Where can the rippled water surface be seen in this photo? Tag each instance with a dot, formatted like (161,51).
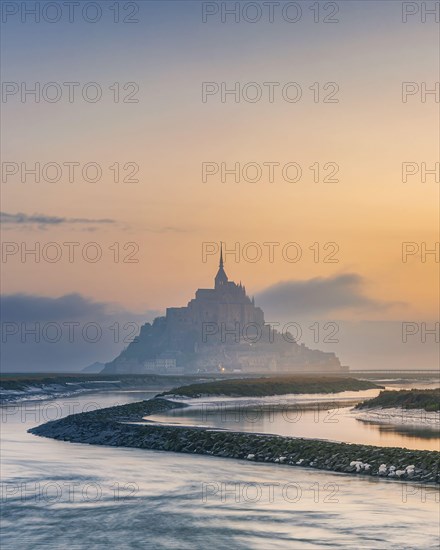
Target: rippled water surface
(70,496)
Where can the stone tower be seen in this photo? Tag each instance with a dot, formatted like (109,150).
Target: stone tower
(221,278)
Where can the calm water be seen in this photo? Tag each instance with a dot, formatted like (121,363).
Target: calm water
(70,496)
(317,416)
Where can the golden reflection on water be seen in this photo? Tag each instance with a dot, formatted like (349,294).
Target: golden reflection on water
(332,421)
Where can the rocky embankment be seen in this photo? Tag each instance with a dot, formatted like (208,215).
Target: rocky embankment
(115,426)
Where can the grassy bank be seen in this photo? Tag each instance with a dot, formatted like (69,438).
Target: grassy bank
(261,387)
(429,400)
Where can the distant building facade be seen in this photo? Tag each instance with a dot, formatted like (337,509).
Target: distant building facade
(219,310)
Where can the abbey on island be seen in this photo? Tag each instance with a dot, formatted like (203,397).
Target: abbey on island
(220,330)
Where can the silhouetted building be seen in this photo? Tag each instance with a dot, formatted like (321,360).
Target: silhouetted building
(221,329)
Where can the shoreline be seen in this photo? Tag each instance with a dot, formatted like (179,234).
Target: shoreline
(46,387)
(122,426)
(417,418)
(41,387)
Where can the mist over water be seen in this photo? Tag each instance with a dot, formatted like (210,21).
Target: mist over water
(72,496)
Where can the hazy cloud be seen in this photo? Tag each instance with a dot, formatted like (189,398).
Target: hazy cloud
(25,315)
(43,220)
(29,308)
(317,296)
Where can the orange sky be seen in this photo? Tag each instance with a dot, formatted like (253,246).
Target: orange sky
(170,212)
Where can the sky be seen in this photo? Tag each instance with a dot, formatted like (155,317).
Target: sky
(134,179)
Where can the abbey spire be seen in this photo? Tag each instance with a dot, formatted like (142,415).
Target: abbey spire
(221,278)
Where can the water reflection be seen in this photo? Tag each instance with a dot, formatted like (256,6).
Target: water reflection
(134,498)
(410,431)
(332,420)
